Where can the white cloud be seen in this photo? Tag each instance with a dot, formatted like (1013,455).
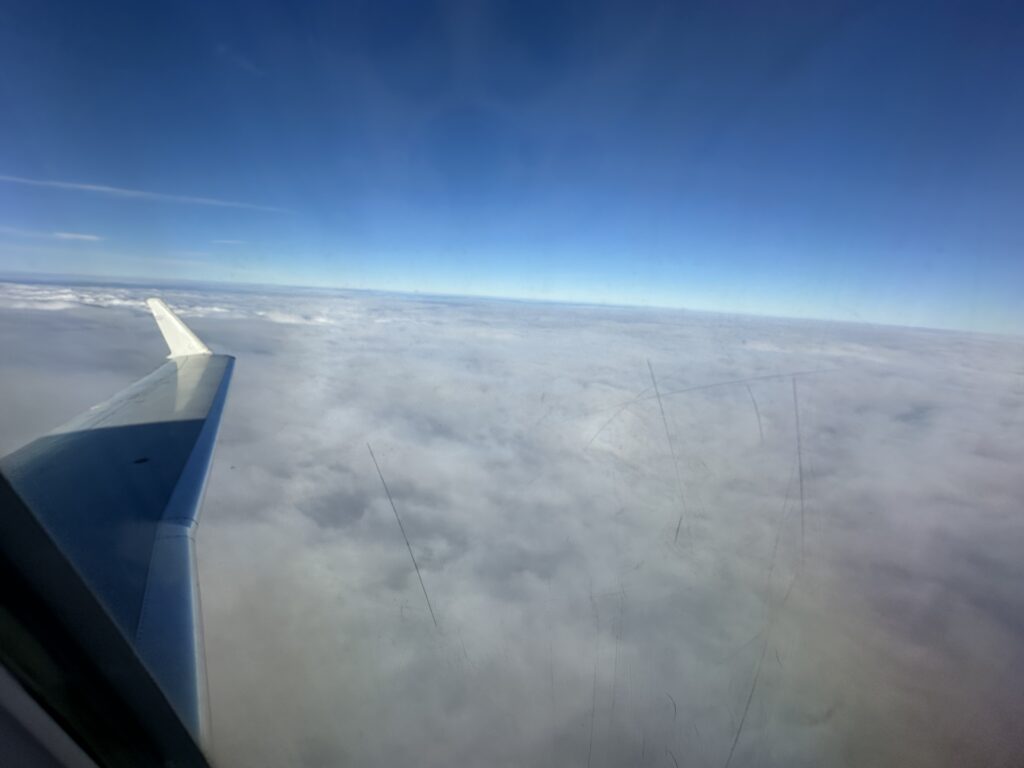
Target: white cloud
(18,232)
(137,194)
(533,476)
(45,296)
(76,236)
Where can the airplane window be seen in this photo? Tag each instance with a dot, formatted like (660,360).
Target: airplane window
(614,383)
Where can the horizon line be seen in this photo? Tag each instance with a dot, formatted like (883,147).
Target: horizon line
(128,281)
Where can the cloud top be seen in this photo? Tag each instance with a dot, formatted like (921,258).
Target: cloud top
(538,483)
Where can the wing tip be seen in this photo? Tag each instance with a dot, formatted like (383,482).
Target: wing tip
(181,341)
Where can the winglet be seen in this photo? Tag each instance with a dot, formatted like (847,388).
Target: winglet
(179,337)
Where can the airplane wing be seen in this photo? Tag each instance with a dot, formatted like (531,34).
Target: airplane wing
(100,621)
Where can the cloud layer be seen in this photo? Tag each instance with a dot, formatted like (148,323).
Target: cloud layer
(622,569)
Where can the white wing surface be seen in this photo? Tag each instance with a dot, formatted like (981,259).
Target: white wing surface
(112,500)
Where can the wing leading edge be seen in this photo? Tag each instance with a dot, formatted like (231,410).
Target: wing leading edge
(119,489)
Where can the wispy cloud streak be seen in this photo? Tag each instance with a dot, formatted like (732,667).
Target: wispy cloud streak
(137,194)
(17,232)
(76,236)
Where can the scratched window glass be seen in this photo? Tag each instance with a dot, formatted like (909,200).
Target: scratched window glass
(616,383)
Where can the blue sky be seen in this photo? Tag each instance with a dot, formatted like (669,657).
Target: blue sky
(854,161)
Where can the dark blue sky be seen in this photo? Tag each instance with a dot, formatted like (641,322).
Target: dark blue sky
(844,160)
